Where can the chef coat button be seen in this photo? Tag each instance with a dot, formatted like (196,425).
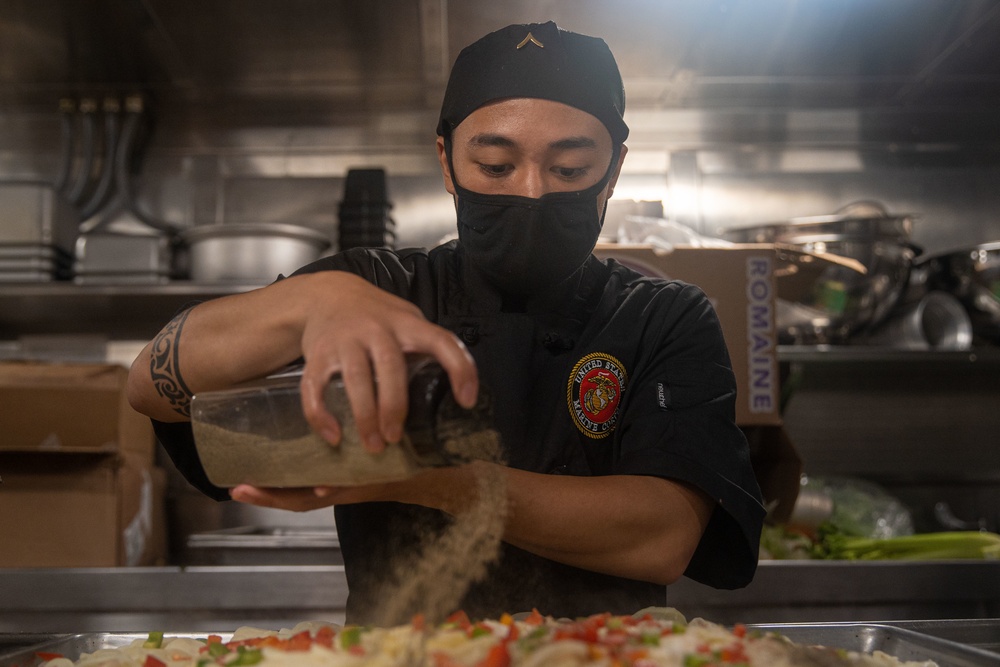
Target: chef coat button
(469,335)
(556,342)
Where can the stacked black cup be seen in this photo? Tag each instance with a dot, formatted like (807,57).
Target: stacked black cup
(364,211)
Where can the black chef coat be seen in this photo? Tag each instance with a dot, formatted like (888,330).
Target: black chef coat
(668,403)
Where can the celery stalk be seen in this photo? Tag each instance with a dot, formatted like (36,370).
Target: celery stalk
(926,546)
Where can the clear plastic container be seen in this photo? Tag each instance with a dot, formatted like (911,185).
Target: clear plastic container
(257,434)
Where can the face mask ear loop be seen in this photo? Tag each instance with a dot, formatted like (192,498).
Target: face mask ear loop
(451,164)
(615,153)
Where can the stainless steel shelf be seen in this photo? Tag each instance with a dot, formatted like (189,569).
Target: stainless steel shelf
(118,312)
(878,354)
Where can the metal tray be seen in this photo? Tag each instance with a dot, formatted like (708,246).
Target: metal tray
(262,545)
(862,637)
(983,633)
(899,642)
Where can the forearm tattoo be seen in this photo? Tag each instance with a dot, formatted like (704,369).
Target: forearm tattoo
(164,366)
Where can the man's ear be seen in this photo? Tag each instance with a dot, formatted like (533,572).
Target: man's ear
(617,172)
(445,170)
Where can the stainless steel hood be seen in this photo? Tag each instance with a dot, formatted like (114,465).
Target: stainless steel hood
(906,54)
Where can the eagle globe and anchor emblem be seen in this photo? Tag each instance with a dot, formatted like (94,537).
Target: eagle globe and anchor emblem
(594,391)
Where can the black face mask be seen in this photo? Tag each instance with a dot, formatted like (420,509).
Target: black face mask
(522,244)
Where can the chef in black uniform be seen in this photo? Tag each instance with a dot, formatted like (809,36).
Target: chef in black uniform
(613,393)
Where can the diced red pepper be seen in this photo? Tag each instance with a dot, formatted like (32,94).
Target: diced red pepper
(535,618)
(461,619)
(153,662)
(740,630)
(419,622)
(324,636)
(587,634)
(497,657)
(300,641)
(44,655)
(357,649)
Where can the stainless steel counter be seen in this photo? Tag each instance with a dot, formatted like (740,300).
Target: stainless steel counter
(217,598)
(823,591)
(168,598)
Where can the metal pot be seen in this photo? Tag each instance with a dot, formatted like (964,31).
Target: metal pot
(842,302)
(972,275)
(253,253)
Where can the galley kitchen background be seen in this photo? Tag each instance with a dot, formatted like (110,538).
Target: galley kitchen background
(740,112)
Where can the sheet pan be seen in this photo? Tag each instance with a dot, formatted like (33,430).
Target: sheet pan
(865,637)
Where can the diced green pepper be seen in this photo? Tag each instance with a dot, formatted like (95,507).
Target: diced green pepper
(692,660)
(350,637)
(155,640)
(247,656)
(217,649)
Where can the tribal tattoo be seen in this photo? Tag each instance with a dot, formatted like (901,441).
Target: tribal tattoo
(164,366)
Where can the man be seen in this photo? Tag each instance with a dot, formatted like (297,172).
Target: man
(613,393)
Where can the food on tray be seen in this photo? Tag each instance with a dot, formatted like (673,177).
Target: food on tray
(650,638)
(783,543)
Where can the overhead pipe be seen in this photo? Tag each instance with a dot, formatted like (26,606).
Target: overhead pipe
(106,185)
(125,164)
(88,128)
(67,138)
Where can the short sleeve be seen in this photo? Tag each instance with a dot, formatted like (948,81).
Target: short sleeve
(679,423)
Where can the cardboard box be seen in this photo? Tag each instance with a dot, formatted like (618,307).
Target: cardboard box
(742,281)
(81,510)
(70,408)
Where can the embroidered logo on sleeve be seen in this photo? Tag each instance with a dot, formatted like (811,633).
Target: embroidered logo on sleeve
(663,396)
(594,392)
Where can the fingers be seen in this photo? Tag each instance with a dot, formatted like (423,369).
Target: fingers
(392,376)
(295,500)
(463,375)
(454,357)
(360,388)
(367,341)
(306,499)
(315,377)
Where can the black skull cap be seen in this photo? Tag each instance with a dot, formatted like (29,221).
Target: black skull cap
(537,60)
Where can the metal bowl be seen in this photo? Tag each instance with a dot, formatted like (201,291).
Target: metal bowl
(842,302)
(250,253)
(972,275)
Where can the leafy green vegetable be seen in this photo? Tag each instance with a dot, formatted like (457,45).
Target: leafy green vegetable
(780,543)
(835,545)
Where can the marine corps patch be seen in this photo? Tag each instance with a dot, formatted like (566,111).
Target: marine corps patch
(593,393)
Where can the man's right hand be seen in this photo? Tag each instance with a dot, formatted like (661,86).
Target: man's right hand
(337,321)
(365,338)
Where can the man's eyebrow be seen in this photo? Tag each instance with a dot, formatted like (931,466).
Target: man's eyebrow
(570,143)
(497,140)
(500,141)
